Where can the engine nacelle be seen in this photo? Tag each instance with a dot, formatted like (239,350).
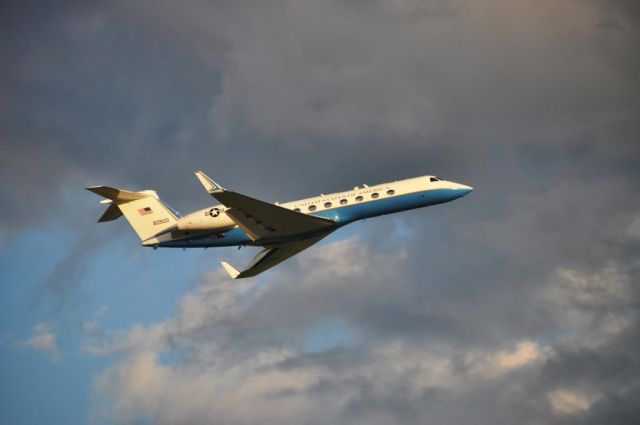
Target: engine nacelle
(214,219)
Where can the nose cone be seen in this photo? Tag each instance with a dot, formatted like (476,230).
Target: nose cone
(462,189)
(466,189)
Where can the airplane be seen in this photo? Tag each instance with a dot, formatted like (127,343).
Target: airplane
(281,229)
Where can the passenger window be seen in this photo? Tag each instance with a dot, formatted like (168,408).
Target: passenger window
(296,209)
(327,204)
(390,192)
(434,179)
(343,202)
(374,195)
(359,198)
(312,207)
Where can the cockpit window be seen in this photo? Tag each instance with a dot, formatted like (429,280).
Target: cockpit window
(434,179)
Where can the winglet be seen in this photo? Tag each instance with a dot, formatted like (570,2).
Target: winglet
(231,270)
(210,185)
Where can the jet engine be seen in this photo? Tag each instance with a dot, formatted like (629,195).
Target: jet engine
(211,219)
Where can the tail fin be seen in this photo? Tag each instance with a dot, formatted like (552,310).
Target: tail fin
(146,213)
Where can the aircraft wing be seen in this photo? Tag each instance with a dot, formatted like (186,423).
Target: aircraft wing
(270,257)
(261,219)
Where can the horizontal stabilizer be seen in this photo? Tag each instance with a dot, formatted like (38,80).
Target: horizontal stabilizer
(114,197)
(117,195)
(112,213)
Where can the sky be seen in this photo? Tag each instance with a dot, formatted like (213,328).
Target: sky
(516,304)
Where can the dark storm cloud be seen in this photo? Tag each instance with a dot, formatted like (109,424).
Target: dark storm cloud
(88,92)
(94,84)
(535,105)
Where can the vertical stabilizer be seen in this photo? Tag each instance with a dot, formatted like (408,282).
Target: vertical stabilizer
(144,211)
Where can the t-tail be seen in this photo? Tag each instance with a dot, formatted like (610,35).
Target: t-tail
(144,210)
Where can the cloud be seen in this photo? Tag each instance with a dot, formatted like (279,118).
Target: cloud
(399,70)
(424,75)
(494,364)
(43,339)
(570,402)
(235,345)
(514,305)
(90,327)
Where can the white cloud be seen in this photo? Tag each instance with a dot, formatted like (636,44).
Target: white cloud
(495,364)
(524,353)
(43,339)
(211,386)
(211,380)
(211,362)
(231,353)
(592,307)
(571,402)
(609,285)
(90,327)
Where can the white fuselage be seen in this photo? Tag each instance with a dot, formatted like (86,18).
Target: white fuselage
(213,227)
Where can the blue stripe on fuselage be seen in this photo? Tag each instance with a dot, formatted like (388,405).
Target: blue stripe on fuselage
(341,215)
(373,208)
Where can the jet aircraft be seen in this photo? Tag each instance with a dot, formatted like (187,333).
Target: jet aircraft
(281,229)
